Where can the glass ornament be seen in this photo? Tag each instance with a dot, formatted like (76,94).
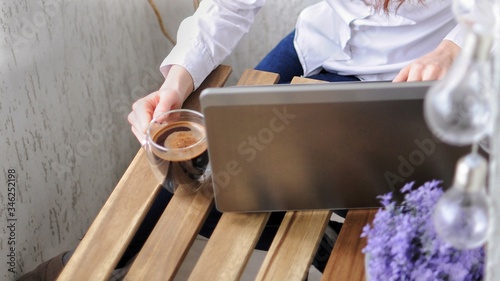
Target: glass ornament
(462,215)
(458,108)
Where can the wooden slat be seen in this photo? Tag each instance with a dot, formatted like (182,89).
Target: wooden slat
(107,238)
(294,246)
(230,247)
(254,77)
(233,241)
(303,80)
(171,239)
(346,262)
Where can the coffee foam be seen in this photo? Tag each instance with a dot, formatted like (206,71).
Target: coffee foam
(181,145)
(181,139)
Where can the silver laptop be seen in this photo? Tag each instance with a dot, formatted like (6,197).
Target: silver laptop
(320,146)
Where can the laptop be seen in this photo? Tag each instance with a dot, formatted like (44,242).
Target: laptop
(320,146)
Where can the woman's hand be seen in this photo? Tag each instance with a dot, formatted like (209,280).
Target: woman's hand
(171,95)
(432,66)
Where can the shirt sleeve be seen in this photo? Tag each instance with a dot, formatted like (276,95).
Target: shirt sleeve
(457,35)
(207,37)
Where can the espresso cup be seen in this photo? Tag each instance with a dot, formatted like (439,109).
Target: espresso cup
(176,147)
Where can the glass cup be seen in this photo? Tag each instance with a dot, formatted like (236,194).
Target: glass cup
(176,147)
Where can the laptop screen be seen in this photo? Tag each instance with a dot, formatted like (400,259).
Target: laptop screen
(320,146)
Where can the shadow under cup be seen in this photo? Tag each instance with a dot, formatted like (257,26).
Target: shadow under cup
(176,146)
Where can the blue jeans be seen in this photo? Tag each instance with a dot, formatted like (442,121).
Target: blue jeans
(283,60)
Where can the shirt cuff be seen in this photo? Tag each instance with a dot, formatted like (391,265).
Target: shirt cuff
(457,35)
(198,62)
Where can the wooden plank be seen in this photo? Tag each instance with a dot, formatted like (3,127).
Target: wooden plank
(303,80)
(230,247)
(294,246)
(171,239)
(107,238)
(254,77)
(233,241)
(346,262)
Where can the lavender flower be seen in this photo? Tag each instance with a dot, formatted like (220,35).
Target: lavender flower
(403,245)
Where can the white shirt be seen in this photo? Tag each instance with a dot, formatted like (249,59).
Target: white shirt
(343,36)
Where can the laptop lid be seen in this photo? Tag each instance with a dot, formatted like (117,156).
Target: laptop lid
(320,146)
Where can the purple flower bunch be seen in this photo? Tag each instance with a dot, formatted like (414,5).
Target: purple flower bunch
(402,243)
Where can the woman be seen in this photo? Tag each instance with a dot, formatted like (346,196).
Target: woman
(410,40)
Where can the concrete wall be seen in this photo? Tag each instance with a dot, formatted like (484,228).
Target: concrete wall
(69,72)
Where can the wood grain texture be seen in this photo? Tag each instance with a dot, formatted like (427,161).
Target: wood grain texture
(303,80)
(172,237)
(294,246)
(232,243)
(346,262)
(230,247)
(115,225)
(253,77)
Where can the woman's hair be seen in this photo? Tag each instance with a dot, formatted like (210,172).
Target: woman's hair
(385,5)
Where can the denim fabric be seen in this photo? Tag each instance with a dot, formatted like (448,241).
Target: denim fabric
(283,60)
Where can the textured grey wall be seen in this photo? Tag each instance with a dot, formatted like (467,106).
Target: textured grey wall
(69,72)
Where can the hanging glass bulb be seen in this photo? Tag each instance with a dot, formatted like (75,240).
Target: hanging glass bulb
(462,215)
(485,143)
(457,109)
